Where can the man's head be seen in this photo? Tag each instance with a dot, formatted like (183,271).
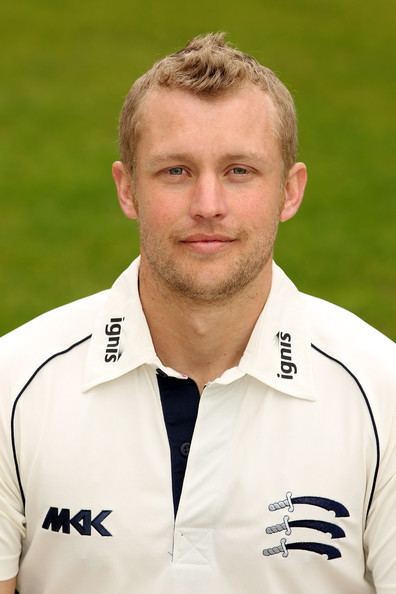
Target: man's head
(208,169)
(208,66)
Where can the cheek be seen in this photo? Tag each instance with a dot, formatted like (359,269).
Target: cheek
(260,216)
(156,215)
(261,202)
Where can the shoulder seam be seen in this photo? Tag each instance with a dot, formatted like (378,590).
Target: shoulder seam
(53,356)
(370,414)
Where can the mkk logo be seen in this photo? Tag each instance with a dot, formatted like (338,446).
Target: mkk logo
(62,520)
(113,332)
(288,368)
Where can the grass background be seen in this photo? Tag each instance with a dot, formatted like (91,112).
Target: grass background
(64,70)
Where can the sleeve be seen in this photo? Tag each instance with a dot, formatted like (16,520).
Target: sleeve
(380,533)
(12,521)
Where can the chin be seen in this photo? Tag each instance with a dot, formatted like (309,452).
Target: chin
(213,290)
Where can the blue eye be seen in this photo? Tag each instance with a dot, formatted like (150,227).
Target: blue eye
(175,171)
(239,170)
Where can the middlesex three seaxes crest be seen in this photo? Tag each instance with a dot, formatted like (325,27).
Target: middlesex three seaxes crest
(326,527)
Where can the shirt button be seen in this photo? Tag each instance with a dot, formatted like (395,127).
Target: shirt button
(185,449)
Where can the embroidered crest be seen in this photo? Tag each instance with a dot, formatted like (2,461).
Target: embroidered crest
(287,526)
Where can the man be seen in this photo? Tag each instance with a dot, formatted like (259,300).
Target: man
(202,426)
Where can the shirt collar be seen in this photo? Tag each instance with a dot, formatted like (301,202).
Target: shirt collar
(278,352)
(121,338)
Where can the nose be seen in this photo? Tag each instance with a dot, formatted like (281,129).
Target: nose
(208,200)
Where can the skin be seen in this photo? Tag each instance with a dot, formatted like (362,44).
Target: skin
(8,587)
(208,191)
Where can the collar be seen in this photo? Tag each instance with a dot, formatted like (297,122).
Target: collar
(121,339)
(278,353)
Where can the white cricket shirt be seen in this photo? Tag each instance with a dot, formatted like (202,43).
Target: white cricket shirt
(290,486)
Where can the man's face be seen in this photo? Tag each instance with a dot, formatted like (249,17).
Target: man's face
(208,191)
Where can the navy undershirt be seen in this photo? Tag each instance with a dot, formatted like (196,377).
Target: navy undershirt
(180,401)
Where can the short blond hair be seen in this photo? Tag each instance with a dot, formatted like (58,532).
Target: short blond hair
(208,66)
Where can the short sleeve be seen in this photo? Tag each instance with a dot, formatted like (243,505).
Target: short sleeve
(12,521)
(380,534)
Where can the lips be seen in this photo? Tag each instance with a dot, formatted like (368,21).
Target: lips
(202,237)
(207,243)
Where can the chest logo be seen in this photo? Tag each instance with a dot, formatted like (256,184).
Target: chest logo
(287,526)
(62,520)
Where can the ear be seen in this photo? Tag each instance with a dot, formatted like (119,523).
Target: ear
(124,184)
(293,191)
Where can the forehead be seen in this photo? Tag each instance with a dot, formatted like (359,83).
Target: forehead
(244,118)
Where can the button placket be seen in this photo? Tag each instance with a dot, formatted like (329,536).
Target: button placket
(204,479)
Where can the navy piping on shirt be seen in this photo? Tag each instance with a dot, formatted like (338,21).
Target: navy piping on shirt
(16,402)
(371,418)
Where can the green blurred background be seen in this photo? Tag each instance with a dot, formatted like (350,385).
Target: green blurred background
(65,67)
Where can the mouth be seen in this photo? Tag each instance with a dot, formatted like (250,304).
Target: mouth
(207,244)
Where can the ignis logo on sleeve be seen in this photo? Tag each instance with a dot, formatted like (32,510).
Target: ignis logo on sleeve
(288,368)
(113,333)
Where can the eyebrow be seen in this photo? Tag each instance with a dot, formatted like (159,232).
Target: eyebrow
(174,157)
(250,155)
(165,157)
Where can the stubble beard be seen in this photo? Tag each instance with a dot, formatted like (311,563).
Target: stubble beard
(184,281)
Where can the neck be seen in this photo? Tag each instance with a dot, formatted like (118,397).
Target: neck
(201,340)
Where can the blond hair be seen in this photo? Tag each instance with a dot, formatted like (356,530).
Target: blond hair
(208,66)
